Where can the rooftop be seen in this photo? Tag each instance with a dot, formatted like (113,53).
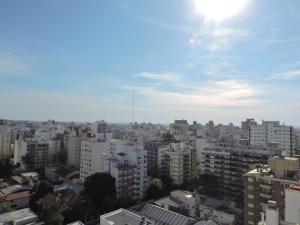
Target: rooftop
(163,216)
(23,215)
(294,188)
(122,216)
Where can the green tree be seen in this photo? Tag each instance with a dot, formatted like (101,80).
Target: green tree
(208,184)
(6,167)
(156,190)
(40,190)
(51,216)
(100,188)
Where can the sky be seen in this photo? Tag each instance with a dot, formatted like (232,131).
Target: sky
(80,60)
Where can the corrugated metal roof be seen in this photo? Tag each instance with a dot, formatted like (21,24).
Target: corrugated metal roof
(163,216)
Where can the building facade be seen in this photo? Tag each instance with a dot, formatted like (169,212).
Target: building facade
(178,161)
(229,164)
(268,183)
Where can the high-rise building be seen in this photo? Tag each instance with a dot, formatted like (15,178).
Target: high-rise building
(92,156)
(229,164)
(36,151)
(74,150)
(117,157)
(268,183)
(152,155)
(126,179)
(273,133)
(178,160)
(245,126)
(5,140)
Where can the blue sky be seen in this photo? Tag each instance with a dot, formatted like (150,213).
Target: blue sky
(80,60)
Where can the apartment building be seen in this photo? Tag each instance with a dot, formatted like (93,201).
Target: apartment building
(126,179)
(245,126)
(179,126)
(92,156)
(229,164)
(152,154)
(5,140)
(36,149)
(55,146)
(178,160)
(73,144)
(127,161)
(268,183)
(137,157)
(272,132)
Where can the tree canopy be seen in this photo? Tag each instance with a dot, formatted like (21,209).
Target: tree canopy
(6,167)
(100,188)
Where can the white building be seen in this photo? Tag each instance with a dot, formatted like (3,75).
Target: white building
(115,156)
(93,153)
(292,204)
(122,216)
(272,133)
(19,217)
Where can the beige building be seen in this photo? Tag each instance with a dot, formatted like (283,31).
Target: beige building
(177,160)
(268,183)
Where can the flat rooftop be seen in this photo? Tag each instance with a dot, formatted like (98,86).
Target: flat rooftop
(294,188)
(25,215)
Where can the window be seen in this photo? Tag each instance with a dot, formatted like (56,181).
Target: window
(251,196)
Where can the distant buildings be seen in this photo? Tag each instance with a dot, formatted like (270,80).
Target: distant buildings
(272,133)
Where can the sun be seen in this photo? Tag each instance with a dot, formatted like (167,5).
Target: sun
(218,10)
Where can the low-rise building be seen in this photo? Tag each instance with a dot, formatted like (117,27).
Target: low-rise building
(200,207)
(19,217)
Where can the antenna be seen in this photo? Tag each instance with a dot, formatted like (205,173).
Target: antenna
(132,109)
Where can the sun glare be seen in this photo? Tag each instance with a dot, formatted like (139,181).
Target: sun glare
(218,10)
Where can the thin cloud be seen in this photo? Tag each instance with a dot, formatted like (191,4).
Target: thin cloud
(221,93)
(219,37)
(290,75)
(9,66)
(163,77)
(169,26)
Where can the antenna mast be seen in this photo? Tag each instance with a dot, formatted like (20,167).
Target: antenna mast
(132,108)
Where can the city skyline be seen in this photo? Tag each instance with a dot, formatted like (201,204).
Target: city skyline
(81,61)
